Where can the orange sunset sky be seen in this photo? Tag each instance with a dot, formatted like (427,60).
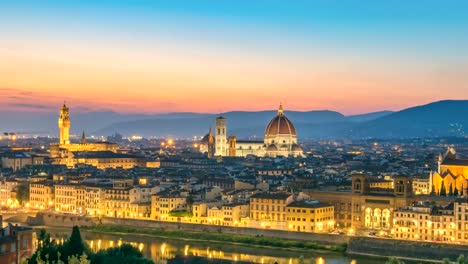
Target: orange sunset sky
(151,59)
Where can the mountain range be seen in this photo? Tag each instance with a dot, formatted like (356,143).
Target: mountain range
(442,118)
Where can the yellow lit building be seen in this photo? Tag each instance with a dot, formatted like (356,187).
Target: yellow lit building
(6,189)
(365,207)
(233,213)
(461,219)
(451,177)
(310,216)
(421,186)
(163,204)
(268,210)
(117,203)
(90,199)
(41,195)
(215,216)
(66,198)
(426,223)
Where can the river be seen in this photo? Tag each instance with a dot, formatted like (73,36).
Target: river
(160,250)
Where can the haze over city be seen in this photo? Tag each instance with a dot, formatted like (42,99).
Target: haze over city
(217,56)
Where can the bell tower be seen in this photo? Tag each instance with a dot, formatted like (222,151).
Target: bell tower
(221,139)
(64,125)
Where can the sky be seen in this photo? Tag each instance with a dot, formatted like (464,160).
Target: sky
(221,55)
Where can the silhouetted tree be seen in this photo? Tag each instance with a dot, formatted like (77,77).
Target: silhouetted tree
(443,192)
(125,254)
(74,245)
(22,193)
(455,192)
(450,190)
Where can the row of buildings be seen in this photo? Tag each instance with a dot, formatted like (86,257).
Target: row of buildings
(395,211)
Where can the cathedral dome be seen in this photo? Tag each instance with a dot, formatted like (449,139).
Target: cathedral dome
(280,125)
(206,139)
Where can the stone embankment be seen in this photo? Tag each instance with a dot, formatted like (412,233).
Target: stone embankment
(310,237)
(61,220)
(365,246)
(411,250)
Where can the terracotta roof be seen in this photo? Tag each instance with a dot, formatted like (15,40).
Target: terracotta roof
(280,125)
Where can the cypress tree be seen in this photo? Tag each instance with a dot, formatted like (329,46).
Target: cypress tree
(75,245)
(443,192)
(450,190)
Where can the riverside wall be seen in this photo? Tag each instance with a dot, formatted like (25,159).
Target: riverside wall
(404,249)
(61,220)
(366,246)
(311,237)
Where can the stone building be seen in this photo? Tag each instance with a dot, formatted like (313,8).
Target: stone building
(310,216)
(41,194)
(364,207)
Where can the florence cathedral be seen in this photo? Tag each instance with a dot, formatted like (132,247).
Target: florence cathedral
(280,140)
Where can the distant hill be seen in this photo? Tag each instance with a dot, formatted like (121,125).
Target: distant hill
(443,118)
(368,116)
(241,124)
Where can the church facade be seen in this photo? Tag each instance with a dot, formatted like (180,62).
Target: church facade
(280,139)
(451,178)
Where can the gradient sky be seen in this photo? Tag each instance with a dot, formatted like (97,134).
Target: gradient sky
(220,55)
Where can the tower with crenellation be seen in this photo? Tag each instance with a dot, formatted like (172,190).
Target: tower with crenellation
(64,125)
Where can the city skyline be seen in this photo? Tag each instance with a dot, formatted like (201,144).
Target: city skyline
(207,56)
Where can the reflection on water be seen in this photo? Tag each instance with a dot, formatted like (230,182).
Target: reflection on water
(160,250)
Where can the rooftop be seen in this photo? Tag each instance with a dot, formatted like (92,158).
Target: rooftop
(308,204)
(278,195)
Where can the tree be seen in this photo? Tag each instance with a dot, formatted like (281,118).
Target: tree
(125,254)
(443,192)
(189,201)
(22,192)
(75,251)
(74,245)
(83,259)
(450,190)
(47,251)
(455,192)
(462,259)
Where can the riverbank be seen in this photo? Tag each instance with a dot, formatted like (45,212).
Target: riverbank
(163,249)
(257,241)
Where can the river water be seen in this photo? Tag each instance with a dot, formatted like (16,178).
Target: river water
(160,250)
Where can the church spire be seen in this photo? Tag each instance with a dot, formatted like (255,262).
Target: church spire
(83,138)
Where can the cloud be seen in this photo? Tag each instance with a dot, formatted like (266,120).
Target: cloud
(30,105)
